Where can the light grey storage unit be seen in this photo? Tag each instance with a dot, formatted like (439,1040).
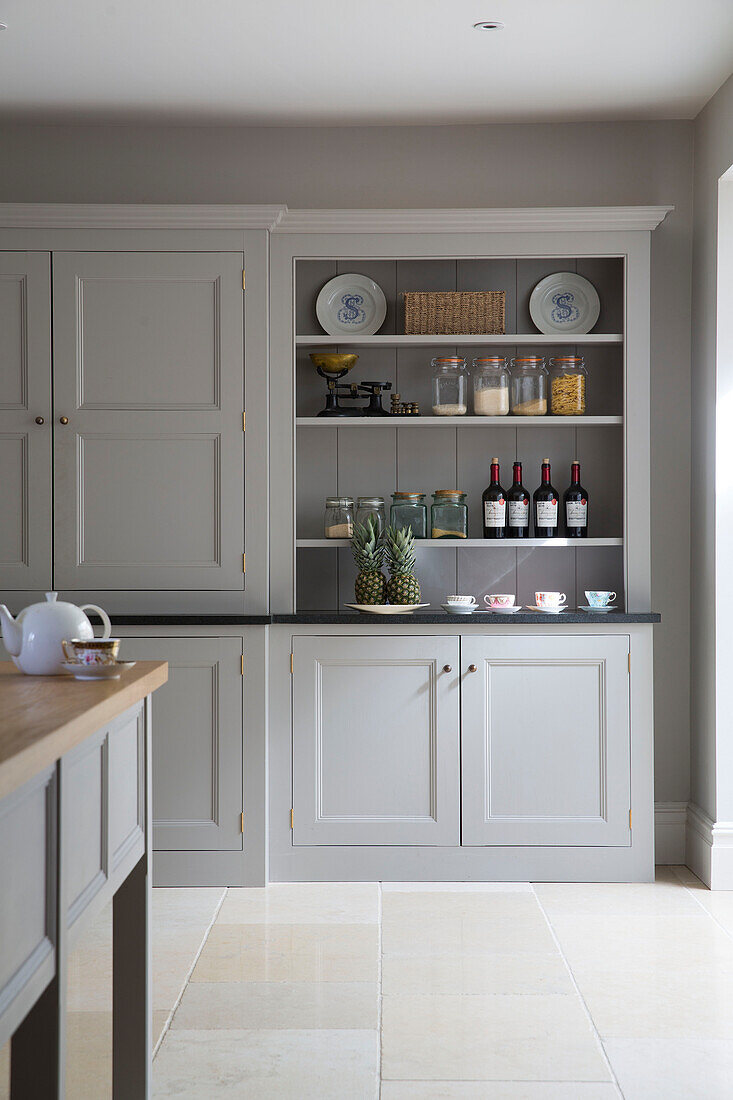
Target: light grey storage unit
(148,406)
(25,420)
(376,756)
(197,743)
(545,740)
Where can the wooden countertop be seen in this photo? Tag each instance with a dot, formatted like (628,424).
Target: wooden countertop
(42,717)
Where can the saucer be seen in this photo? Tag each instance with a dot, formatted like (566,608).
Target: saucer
(548,610)
(386,608)
(501,610)
(96,672)
(459,608)
(600,610)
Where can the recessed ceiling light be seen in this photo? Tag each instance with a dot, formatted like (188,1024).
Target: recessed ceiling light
(488,25)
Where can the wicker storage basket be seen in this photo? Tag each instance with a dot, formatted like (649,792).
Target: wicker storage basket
(454,312)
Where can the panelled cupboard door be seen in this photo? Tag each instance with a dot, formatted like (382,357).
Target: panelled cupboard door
(376,741)
(197,742)
(149,372)
(546,754)
(25,446)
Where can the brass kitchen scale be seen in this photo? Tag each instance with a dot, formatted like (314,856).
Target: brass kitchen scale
(332,367)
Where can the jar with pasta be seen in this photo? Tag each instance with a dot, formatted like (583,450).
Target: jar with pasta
(567,385)
(528,392)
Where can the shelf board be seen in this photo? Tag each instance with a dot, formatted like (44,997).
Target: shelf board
(482,340)
(457,421)
(474,544)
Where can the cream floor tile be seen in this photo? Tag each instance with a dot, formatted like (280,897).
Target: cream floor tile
(662,898)
(462,973)
(294,1005)
(482,905)
(302,903)
(171,966)
(160,1017)
(473,935)
(289,952)
(267,1065)
(618,943)
(89,1055)
(718,903)
(5,1072)
(672,1069)
(497,1090)
(457,887)
(659,1001)
(185,905)
(686,876)
(501,1038)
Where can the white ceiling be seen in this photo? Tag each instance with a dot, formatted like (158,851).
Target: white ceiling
(361,61)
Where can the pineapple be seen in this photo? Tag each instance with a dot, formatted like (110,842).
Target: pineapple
(370,586)
(402,586)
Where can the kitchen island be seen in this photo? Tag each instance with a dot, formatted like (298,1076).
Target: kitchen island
(74,833)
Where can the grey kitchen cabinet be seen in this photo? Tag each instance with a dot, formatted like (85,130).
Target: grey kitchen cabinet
(25,420)
(376,741)
(148,420)
(197,742)
(546,740)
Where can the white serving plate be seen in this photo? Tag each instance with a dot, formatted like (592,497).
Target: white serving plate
(351,305)
(501,610)
(601,610)
(547,610)
(564,303)
(97,672)
(386,608)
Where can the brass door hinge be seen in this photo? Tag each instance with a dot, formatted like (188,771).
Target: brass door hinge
(244,563)
(241,823)
(244,428)
(291,664)
(292,818)
(242,278)
(241,665)
(629,818)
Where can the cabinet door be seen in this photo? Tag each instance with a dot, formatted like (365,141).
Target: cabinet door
(197,742)
(149,469)
(546,741)
(25,447)
(375,741)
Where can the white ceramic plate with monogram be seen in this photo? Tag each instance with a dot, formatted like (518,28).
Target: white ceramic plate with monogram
(351,305)
(564,303)
(80,671)
(501,610)
(600,610)
(386,608)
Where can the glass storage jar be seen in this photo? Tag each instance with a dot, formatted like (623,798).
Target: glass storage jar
(339,520)
(567,385)
(490,386)
(449,515)
(371,506)
(450,389)
(528,394)
(409,510)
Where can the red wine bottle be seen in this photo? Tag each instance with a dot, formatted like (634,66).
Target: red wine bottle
(494,502)
(546,506)
(575,501)
(517,504)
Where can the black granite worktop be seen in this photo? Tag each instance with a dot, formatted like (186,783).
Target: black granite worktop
(519,618)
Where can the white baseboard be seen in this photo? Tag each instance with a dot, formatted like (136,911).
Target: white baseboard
(670,819)
(709,850)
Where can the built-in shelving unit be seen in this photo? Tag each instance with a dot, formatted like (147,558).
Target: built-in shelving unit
(475,544)
(507,339)
(458,421)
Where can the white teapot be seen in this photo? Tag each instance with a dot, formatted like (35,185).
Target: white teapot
(34,639)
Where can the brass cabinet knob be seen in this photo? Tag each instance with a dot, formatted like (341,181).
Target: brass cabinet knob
(40,420)
(473,668)
(63,420)
(447,668)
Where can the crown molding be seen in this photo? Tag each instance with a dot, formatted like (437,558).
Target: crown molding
(536,219)
(137,216)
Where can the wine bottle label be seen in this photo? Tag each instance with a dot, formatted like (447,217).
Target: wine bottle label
(546,513)
(494,513)
(576,513)
(519,513)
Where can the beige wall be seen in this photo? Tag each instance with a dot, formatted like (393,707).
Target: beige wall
(712,744)
(516,165)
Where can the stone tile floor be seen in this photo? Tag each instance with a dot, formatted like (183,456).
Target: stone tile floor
(427,992)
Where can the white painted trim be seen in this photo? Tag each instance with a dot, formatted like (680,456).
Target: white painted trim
(710,848)
(531,220)
(670,819)
(137,216)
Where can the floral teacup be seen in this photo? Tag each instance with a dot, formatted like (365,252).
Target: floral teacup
(600,599)
(92,651)
(499,599)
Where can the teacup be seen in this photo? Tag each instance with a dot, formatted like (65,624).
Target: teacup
(600,599)
(461,601)
(499,599)
(92,651)
(549,599)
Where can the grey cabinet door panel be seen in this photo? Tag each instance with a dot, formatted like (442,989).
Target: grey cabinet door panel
(197,742)
(85,797)
(546,750)
(25,447)
(375,740)
(149,470)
